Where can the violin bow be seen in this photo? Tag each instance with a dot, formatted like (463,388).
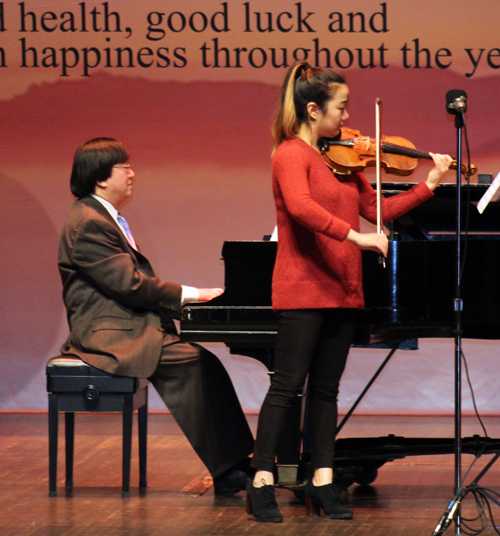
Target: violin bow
(378,102)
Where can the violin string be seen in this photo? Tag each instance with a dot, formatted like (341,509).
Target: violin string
(393,148)
(405,151)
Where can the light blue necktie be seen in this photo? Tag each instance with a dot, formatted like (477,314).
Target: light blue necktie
(123,222)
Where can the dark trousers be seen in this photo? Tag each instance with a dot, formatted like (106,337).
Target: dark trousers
(314,342)
(200,395)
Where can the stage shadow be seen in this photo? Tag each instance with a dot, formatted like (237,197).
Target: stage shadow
(31,303)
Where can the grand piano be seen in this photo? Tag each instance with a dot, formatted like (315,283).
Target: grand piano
(411,298)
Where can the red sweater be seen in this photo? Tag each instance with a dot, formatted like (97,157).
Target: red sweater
(315,266)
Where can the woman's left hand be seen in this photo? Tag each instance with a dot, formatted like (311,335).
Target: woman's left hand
(442,164)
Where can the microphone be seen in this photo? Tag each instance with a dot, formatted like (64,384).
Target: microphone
(456,101)
(449,513)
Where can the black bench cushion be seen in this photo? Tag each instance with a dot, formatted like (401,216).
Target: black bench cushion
(71,374)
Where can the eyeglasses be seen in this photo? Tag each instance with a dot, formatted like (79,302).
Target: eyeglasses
(124,167)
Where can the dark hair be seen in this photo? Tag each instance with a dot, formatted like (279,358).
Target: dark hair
(303,84)
(93,163)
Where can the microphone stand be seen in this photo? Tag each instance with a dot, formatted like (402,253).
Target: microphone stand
(453,509)
(456,101)
(457,332)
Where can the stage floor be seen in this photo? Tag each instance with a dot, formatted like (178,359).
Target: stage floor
(407,498)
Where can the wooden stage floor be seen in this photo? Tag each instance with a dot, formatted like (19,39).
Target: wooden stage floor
(407,498)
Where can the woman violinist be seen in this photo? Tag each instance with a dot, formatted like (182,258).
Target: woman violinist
(317,282)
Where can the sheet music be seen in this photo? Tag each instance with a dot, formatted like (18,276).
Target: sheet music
(491,194)
(274,236)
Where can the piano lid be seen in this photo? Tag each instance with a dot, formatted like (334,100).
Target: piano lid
(436,218)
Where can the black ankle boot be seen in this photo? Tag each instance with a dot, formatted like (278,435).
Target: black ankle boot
(326,498)
(261,502)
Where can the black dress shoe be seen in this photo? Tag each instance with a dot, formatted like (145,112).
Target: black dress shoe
(326,498)
(233,480)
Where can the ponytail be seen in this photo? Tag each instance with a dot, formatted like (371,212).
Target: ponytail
(303,84)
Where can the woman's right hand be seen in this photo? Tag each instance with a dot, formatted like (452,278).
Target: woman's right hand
(369,241)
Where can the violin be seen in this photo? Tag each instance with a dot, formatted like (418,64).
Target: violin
(354,152)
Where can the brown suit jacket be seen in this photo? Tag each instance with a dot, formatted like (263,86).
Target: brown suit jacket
(115,304)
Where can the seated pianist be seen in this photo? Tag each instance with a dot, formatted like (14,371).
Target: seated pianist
(121,314)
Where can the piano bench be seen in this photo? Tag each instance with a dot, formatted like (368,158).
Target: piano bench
(75,386)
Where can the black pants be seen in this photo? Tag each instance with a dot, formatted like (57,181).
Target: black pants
(200,395)
(314,342)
